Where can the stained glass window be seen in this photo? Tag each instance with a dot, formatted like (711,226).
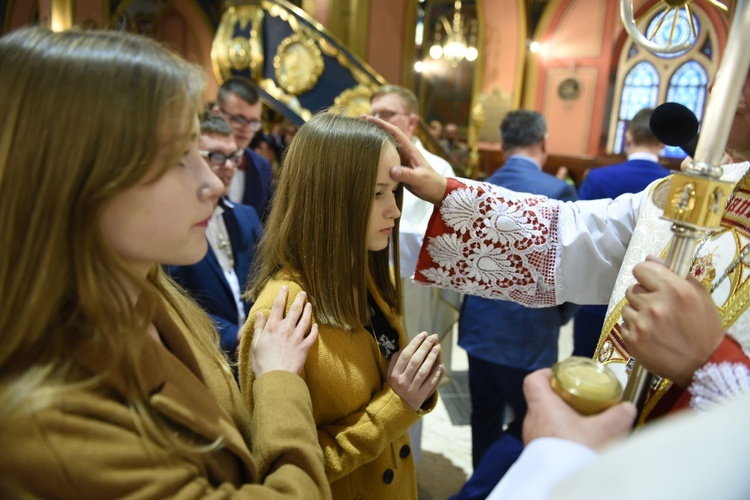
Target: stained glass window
(640,90)
(646,79)
(677,26)
(688,86)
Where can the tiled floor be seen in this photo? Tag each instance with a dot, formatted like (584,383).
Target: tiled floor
(446,448)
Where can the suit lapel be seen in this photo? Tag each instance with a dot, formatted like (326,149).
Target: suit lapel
(239,247)
(236,238)
(213,264)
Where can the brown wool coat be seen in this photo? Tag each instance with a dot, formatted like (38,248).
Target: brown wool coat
(90,447)
(362,423)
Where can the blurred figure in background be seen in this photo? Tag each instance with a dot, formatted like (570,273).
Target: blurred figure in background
(436,129)
(238,101)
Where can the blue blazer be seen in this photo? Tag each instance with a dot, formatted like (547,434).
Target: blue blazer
(205,281)
(631,176)
(503,332)
(258,183)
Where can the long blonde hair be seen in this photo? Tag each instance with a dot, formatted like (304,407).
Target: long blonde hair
(317,228)
(83,116)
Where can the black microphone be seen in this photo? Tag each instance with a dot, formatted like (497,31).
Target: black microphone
(675,125)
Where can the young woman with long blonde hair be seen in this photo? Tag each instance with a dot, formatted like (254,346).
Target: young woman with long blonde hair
(111,380)
(333,232)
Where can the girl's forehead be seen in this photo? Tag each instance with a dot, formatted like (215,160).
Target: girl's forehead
(389,150)
(388,158)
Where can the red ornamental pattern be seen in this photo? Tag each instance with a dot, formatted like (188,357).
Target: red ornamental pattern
(488,241)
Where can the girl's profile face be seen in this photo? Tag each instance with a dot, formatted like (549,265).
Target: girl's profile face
(164,220)
(384,209)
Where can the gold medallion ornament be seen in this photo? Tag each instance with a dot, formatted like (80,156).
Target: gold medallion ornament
(238,53)
(231,52)
(353,102)
(298,63)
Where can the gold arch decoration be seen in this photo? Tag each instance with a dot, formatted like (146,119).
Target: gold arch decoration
(298,63)
(353,102)
(231,53)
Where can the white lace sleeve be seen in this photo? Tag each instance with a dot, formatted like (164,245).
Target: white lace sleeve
(489,241)
(496,244)
(716,383)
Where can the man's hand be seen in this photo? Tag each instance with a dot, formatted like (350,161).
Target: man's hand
(549,416)
(418,176)
(670,323)
(283,343)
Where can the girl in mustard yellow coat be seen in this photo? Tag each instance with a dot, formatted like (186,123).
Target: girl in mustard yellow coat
(332,232)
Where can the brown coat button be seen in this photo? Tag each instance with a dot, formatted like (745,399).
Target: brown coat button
(404,452)
(388,476)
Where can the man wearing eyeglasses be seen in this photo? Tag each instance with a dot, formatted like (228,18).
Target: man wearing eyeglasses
(239,103)
(425,309)
(217,281)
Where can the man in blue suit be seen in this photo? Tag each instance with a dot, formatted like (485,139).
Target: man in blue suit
(218,281)
(506,341)
(239,103)
(632,176)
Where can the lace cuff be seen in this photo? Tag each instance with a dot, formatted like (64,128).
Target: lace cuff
(716,383)
(486,240)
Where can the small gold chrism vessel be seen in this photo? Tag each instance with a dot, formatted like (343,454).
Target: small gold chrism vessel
(586,385)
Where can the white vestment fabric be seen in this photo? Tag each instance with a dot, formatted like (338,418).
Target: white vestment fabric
(489,241)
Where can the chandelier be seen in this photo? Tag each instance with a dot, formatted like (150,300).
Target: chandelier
(459,38)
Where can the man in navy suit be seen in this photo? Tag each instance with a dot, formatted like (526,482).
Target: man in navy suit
(239,103)
(506,341)
(632,176)
(218,281)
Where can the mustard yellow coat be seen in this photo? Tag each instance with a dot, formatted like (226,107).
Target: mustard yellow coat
(362,423)
(90,447)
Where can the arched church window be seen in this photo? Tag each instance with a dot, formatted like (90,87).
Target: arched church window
(688,86)
(645,79)
(640,90)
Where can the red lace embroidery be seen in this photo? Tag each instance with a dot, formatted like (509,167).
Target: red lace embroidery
(485,240)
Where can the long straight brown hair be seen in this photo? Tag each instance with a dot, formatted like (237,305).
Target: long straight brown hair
(317,227)
(83,116)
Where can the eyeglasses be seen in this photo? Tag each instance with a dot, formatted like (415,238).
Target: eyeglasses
(386,115)
(241,121)
(217,159)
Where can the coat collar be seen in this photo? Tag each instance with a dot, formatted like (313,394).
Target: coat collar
(519,160)
(183,385)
